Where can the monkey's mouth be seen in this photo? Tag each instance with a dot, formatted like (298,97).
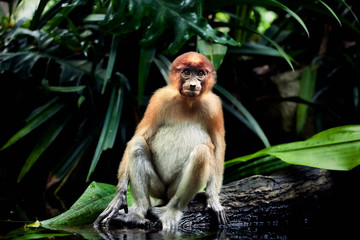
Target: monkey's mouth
(190,93)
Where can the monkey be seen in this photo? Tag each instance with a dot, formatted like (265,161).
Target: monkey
(177,149)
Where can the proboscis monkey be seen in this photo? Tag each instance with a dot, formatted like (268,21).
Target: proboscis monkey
(177,149)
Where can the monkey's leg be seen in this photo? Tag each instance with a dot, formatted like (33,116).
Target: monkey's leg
(143,181)
(193,176)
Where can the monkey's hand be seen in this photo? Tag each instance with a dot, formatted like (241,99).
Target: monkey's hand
(119,202)
(218,210)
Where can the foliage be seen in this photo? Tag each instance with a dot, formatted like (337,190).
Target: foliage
(78,61)
(87,76)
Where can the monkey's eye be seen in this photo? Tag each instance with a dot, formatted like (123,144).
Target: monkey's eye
(186,72)
(201,73)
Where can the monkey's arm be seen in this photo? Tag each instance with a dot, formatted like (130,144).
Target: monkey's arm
(215,183)
(119,201)
(217,134)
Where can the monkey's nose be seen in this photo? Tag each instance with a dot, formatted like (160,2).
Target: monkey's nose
(192,87)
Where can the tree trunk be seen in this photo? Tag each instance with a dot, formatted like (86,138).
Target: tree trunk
(262,200)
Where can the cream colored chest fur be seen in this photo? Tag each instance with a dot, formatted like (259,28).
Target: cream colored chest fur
(172,144)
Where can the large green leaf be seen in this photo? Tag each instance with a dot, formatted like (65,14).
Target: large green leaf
(86,209)
(335,149)
(215,52)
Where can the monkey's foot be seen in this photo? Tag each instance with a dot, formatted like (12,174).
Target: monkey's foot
(135,220)
(219,211)
(169,217)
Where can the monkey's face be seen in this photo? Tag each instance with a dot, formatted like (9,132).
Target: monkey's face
(192,80)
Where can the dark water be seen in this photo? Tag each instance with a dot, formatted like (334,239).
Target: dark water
(265,231)
(323,226)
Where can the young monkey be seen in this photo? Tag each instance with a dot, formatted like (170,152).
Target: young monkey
(178,148)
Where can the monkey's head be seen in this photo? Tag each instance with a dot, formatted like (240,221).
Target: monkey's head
(192,74)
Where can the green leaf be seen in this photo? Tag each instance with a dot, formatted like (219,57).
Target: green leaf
(111,61)
(250,120)
(350,10)
(307,89)
(36,18)
(280,51)
(110,127)
(331,11)
(65,89)
(35,121)
(38,111)
(215,52)
(264,165)
(20,63)
(86,209)
(26,235)
(291,13)
(145,60)
(255,49)
(41,236)
(163,65)
(42,144)
(335,149)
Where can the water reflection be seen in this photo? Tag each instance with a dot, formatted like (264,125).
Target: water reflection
(264,231)
(130,234)
(299,228)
